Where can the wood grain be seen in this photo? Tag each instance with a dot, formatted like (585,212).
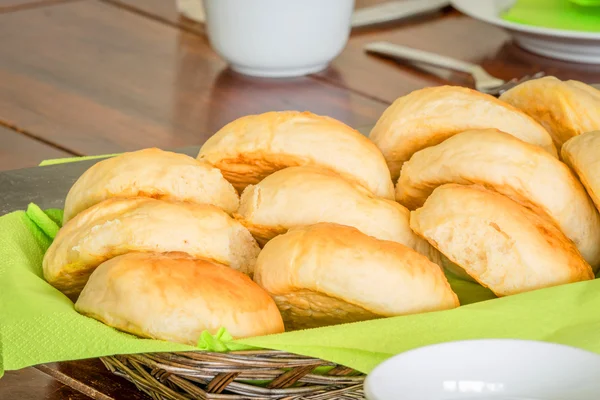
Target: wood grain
(15,5)
(32,384)
(119,81)
(20,151)
(160,10)
(93,379)
(451,34)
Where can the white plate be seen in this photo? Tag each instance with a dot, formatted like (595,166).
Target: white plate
(581,47)
(490,369)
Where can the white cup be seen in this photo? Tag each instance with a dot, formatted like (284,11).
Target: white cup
(278,38)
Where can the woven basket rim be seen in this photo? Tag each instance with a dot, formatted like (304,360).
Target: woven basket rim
(235,375)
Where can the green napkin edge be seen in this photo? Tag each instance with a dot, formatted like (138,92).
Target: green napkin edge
(586,3)
(322,342)
(46,224)
(65,160)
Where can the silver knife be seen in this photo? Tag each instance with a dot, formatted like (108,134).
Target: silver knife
(395,10)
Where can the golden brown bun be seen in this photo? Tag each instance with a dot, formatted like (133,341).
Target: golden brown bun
(173,297)
(500,243)
(253,147)
(428,116)
(151,173)
(327,274)
(519,170)
(564,108)
(298,196)
(117,226)
(582,154)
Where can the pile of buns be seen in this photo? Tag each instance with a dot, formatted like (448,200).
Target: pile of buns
(290,220)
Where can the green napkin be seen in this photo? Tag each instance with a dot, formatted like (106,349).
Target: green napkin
(558,14)
(38,324)
(586,3)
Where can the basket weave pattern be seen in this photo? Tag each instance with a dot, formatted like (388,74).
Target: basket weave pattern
(263,374)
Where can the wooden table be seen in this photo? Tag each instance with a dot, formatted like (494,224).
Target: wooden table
(82,77)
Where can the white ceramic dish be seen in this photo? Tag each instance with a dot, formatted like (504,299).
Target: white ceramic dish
(274,38)
(490,369)
(581,47)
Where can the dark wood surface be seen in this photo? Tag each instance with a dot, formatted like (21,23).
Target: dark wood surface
(447,32)
(33,384)
(161,10)
(99,76)
(15,5)
(20,151)
(93,379)
(119,79)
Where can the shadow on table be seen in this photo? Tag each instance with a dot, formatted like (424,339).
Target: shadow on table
(515,61)
(206,97)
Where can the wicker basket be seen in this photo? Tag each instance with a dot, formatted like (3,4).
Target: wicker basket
(263,374)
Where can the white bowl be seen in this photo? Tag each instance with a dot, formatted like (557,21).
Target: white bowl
(278,38)
(494,369)
(575,46)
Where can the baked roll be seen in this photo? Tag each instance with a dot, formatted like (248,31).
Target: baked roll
(582,154)
(327,274)
(117,226)
(151,173)
(429,116)
(298,196)
(524,172)
(564,108)
(253,147)
(501,244)
(175,298)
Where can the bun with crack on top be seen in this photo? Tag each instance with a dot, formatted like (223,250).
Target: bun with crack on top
(298,196)
(252,147)
(582,154)
(521,171)
(118,226)
(565,108)
(427,117)
(327,274)
(501,244)
(151,173)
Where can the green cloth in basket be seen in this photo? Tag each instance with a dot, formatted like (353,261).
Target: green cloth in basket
(38,324)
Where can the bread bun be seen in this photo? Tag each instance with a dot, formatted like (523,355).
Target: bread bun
(327,274)
(117,226)
(582,154)
(298,196)
(524,172)
(428,116)
(151,173)
(173,297)
(253,147)
(564,108)
(500,243)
